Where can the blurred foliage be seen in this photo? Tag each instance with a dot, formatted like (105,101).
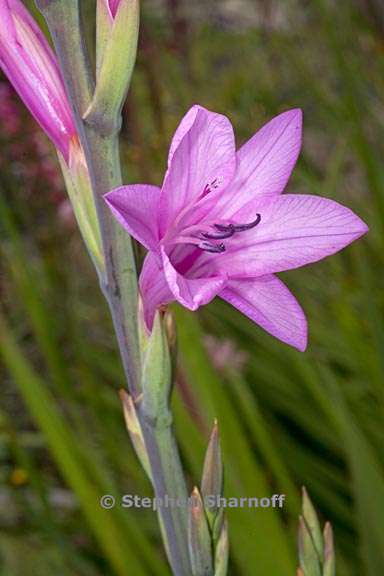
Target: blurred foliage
(286,418)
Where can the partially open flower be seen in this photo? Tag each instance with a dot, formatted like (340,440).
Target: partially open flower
(31,66)
(219,226)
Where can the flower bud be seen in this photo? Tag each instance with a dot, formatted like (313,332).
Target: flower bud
(199,537)
(309,559)
(117,35)
(312,521)
(222,551)
(329,566)
(79,190)
(212,478)
(156,375)
(31,66)
(134,429)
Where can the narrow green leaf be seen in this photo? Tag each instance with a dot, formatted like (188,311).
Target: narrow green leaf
(244,477)
(367,478)
(64,449)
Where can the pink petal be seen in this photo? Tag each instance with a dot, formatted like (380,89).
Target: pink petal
(202,155)
(136,207)
(295,229)
(154,288)
(190,292)
(265,162)
(113,6)
(269,303)
(185,125)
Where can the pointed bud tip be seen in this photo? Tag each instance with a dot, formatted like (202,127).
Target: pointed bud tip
(328,529)
(304,493)
(212,477)
(196,501)
(195,492)
(214,436)
(170,325)
(328,538)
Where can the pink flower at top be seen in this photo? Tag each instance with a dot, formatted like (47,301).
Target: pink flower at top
(31,66)
(219,226)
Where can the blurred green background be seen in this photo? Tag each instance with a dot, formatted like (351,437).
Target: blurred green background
(286,418)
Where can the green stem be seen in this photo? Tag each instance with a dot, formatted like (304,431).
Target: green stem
(168,482)
(101,149)
(119,283)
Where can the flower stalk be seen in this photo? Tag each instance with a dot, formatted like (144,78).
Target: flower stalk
(98,134)
(119,282)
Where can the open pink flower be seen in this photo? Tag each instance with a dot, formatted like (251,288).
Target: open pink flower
(31,66)
(220,226)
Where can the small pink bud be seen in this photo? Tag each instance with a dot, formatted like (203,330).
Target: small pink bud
(113,5)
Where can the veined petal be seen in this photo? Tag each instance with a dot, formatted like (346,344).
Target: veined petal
(269,303)
(295,229)
(265,162)
(154,288)
(191,292)
(136,207)
(185,125)
(202,159)
(28,61)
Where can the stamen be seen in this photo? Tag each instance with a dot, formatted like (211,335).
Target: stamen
(238,227)
(209,247)
(218,235)
(242,227)
(223,231)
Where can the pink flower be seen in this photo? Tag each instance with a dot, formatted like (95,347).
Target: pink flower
(28,61)
(219,226)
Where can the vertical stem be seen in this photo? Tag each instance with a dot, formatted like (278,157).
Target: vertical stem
(101,148)
(168,482)
(119,285)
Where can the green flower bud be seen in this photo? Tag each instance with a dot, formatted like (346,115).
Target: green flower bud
(117,35)
(199,538)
